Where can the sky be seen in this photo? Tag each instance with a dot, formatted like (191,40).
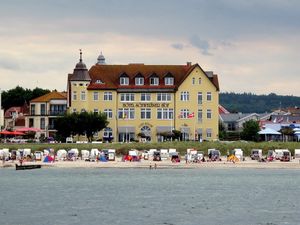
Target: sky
(252,45)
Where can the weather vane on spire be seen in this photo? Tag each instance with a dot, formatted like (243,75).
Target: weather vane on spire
(80,55)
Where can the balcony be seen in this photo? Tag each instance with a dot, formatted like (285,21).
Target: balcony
(56,112)
(51,127)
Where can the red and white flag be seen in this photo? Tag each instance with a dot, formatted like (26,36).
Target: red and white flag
(191,115)
(180,115)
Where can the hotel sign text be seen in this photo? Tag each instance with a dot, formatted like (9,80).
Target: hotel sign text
(158,105)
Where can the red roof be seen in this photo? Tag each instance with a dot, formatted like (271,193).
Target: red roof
(50,96)
(109,75)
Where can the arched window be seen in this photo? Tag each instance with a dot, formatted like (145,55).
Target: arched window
(146,131)
(107,132)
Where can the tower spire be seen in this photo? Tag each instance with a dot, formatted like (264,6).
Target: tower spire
(80,59)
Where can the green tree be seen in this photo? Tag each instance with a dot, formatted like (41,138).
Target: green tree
(250,131)
(288,133)
(18,96)
(85,123)
(222,132)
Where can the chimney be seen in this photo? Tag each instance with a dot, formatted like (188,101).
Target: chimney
(189,64)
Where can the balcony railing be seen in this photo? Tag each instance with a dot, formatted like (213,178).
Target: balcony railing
(56,112)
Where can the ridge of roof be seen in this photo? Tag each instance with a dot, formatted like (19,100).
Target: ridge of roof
(49,96)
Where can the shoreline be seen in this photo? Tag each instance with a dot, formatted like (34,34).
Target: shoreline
(145,164)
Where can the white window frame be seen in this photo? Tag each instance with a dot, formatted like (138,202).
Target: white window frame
(163,97)
(96,111)
(193,81)
(200,115)
(154,81)
(129,112)
(169,80)
(145,97)
(145,113)
(96,96)
(109,113)
(208,113)
(107,132)
(209,96)
(107,96)
(184,113)
(199,81)
(42,123)
(83,95)
(74,96)
(124,80)
(165,114)
(208,132)
(199,98)
(185,96)
(127,97)
(139,81)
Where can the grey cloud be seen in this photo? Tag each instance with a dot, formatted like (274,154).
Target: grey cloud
(202,45)
(9,64)
(177,46)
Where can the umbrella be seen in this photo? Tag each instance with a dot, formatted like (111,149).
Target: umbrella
(5,132)
(28,129)
(16,133)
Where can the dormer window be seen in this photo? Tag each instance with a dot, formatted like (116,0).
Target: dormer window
(154,81)
(124,80)
(139,81)
(99,82)
(169,80)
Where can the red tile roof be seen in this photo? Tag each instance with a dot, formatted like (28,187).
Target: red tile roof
(110,74)
(50,96)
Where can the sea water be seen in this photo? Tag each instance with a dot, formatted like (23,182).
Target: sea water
(55,196)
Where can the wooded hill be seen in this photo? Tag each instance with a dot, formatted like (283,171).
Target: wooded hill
(249,103)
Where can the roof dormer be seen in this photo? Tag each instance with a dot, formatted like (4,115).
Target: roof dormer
(154,80)
(124,79)
(139,79)
(169,79)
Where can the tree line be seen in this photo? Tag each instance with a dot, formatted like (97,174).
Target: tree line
(19,96)
(249,102)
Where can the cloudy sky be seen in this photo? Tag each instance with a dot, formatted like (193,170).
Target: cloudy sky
(252,45)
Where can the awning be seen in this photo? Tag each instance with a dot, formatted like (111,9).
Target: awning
(161,129)
(128,129)
(185,130)
(269,131)
(199,131)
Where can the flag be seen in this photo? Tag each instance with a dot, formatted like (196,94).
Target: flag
(275,120)
(180,115)
(191,115)
(280,120)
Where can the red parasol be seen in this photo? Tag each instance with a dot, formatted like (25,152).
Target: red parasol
(6,132)
(28,129)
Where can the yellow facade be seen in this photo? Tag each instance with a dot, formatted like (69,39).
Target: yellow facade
(184,102)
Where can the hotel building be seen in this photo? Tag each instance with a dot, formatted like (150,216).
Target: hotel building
(147,100)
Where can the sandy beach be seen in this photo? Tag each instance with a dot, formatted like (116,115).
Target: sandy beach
(248,163)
